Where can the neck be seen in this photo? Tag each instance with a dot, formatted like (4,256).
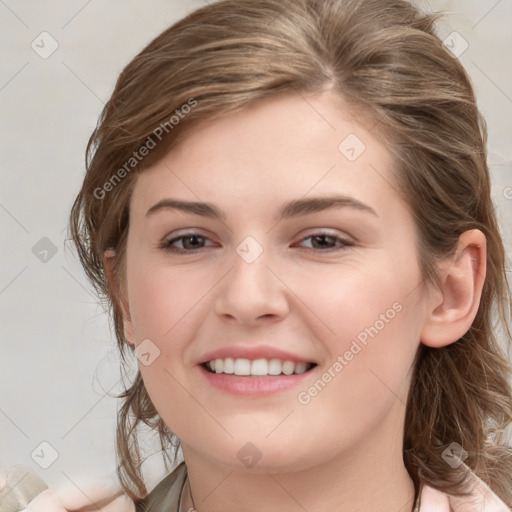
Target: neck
(369,476)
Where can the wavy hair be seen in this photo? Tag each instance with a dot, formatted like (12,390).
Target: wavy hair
(384,58)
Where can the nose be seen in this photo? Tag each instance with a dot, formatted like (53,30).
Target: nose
(252,292)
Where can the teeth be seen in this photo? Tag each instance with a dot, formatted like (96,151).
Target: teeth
(274,367)
(229,365)
(245,367)
(259,367)
(288,367)
(242,366)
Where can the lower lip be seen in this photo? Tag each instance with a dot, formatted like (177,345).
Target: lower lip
(253,385)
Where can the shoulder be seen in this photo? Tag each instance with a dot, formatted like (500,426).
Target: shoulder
(166,494)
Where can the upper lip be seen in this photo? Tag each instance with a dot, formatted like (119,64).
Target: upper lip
(252,353)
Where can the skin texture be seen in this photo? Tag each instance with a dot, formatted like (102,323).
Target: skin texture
(343,450)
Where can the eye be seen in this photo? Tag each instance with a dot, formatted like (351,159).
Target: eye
(327,242)
(189,242)
(192,242)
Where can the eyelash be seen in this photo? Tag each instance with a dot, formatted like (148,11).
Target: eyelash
(166,244)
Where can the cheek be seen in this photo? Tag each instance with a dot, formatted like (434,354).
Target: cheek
(370,325)
(349,300)
(163,300)
(164,304)
(363,381)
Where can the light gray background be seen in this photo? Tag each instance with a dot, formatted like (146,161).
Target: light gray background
(57,355)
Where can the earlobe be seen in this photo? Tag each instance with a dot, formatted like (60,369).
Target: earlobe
(116,292)
(462,280)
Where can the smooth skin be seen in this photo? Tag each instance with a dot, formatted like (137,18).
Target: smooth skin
(308,294)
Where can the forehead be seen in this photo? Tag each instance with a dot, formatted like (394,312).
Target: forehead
(286,145)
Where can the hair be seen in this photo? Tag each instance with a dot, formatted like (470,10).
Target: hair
(384,59)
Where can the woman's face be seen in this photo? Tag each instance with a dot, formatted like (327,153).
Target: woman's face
(294,240)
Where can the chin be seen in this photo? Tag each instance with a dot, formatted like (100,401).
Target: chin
(264,457)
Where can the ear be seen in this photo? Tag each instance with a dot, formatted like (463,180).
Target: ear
(116,290)
(453,308)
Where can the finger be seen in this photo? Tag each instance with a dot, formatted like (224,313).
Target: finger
(80,494)
(46,501)
(22,485)
(433,500)
(121,503)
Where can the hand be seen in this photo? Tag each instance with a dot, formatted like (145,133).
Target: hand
(51,500)
(433,500)
(23,490)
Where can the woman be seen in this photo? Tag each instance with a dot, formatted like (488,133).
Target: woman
(289,209)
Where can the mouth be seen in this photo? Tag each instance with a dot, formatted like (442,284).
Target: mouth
(255,378)
(242,367)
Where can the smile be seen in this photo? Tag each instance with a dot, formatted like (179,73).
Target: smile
(254,378)
(258,367)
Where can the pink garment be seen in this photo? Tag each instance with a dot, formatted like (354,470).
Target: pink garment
(482,500)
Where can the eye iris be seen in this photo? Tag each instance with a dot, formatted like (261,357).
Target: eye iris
(188,238)
(323,238)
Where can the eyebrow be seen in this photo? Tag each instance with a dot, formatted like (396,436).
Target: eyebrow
(291,209)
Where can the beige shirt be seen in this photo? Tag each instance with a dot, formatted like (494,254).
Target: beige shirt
(165,497)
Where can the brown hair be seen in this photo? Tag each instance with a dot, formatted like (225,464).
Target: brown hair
(383,57)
